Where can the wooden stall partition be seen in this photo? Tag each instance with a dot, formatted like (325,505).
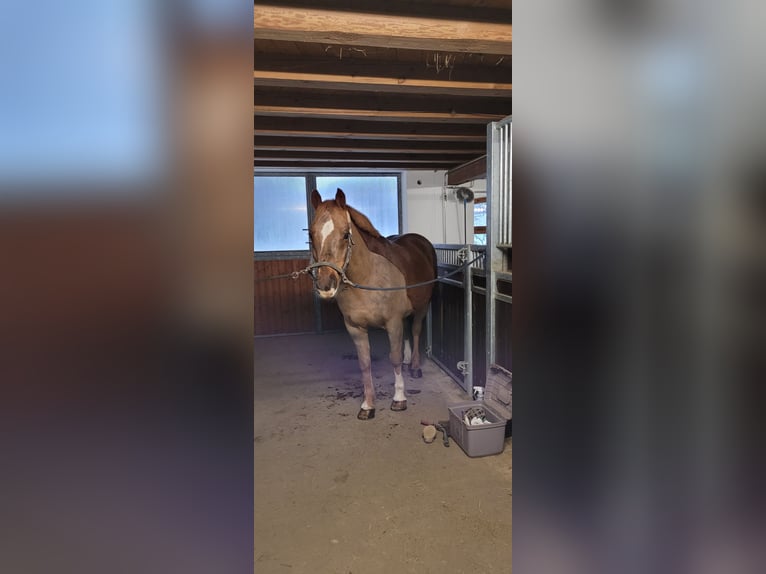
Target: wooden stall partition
(288,306)
(282,306)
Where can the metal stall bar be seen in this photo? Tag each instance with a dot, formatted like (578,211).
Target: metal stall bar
(499,218)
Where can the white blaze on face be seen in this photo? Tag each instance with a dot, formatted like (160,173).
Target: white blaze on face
(325,232)
(399,387)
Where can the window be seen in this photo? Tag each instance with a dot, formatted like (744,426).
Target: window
(376,197)
(281,212)
(480,221)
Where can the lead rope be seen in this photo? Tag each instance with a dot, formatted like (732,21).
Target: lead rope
(350,283)
(344,278)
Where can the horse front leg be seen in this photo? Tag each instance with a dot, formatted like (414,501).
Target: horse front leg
(395,330)
(362,343)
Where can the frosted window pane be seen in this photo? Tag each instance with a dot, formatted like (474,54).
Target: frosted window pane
(479,214)
(375,196)
(279,214)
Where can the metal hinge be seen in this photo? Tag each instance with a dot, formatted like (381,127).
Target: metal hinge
(464,367)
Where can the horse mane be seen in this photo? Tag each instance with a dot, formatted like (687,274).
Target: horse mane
(364,224)
(400,251)
(373,239)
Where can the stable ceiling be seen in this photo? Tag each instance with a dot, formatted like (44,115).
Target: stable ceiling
(391,85)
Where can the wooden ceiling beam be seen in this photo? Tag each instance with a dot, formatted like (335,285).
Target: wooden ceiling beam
(269,165)
(379,115)
(304,98)
(475,169)
(342,61)
(394,135)
(360,129)
(477,11)
(389,31)
(360,150)
(287,156)
(361,146)
(380,84)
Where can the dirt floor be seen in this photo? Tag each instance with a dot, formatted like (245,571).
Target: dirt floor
(335,495)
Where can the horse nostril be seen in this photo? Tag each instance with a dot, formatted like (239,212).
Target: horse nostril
(326,282)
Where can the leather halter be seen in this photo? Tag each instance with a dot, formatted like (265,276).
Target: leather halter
(340,271)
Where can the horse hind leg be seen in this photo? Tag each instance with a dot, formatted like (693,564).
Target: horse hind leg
(417,326)
(407,359)
(395,331)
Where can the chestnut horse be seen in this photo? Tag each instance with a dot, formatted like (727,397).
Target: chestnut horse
(346,245)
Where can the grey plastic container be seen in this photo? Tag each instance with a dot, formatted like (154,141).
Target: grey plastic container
(479,440)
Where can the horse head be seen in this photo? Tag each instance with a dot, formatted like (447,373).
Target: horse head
(330,240)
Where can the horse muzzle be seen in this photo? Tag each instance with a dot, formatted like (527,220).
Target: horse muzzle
(327,283)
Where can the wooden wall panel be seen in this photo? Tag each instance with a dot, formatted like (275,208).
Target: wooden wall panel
(282,305)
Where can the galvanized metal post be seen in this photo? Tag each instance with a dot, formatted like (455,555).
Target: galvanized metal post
(499,217)
(468,328)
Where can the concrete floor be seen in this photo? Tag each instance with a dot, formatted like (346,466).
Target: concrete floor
(335,495)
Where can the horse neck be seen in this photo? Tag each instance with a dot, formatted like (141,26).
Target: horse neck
(361,257)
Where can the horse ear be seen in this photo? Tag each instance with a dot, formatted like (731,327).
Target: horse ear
(340,198)
(316,199)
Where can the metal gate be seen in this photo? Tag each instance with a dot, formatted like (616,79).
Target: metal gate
(470,320)
(457,315)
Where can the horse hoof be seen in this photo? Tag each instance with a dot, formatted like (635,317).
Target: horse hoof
(416,373)
(399,405)
(365,415)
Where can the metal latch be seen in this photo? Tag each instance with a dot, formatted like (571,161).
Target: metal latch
(464,367)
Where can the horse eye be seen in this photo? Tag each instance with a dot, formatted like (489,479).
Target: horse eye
(347,235)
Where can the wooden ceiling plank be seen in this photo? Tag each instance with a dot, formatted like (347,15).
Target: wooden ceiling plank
(360,29)
(379,84)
